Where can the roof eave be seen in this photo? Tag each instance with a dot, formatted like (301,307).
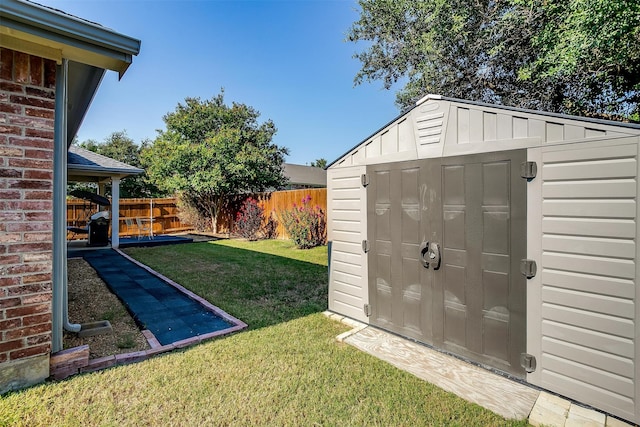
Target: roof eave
(91,48)
(406,111)
(106,170)
(42,22)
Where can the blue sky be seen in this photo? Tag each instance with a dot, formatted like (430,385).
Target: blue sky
(287,59)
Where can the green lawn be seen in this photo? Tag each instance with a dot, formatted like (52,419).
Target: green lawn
(261,283)
(289,371)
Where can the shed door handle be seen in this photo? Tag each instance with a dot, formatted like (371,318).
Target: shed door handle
(430,255)
(434,255)
(424,258)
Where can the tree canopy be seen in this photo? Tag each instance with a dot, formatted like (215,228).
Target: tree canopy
(319,163)
(120,147)
(569,56)
(210,151)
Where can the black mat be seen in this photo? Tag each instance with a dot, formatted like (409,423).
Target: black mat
(154,304)
(158,240)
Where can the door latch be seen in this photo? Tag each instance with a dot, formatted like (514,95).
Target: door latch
(528,268)
(430,255)
(528,170)
(528,362)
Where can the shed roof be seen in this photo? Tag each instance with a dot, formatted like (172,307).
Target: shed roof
(437,124)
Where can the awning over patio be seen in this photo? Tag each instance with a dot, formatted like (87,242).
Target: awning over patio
(86,166)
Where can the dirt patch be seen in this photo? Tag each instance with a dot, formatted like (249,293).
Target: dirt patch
(90,300)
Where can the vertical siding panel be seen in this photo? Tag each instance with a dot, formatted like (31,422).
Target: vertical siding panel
(572,132)
(463,125)
(372,149)
(505,127)
(405,136)
(520,129)
(390,141)
(490,123)
(594,133)
(537,129)
(555,132)
(476,123)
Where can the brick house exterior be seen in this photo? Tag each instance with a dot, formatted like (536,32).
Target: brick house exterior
(27,101)
(51,65)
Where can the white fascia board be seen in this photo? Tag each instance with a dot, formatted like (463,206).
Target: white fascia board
(57,29)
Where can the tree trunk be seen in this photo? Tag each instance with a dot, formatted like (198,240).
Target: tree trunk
(215,207)
(213,213)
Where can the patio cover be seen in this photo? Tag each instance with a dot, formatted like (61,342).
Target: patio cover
(86,166)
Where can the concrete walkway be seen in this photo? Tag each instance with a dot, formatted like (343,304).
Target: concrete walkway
(499,394)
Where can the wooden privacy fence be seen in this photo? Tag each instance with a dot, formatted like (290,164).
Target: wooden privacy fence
(164,211)
(273,203)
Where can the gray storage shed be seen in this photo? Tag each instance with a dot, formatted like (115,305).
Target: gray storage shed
(505,236)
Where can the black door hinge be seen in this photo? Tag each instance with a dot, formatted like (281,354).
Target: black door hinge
(367,310)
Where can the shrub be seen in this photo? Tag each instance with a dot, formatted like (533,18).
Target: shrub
(190,214)
(249,219)
(306,226)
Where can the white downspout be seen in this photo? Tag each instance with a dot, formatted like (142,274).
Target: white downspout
(59,268)
(115,212)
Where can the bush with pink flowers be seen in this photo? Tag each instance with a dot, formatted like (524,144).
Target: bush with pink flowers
(306,226)
(249,219)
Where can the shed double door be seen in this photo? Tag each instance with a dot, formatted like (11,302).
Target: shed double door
(446,237)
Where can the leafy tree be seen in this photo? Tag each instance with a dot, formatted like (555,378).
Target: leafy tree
(120,147)
(211,151)
(570,56)
(319,163)
(591,48)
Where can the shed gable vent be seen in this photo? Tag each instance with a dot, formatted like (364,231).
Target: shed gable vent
(430,127)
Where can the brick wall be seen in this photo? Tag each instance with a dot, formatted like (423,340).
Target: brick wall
(27,99)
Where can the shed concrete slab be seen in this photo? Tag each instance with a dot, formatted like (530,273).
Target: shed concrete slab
(501,395)
(494,392)
(549,410)
(614,422)
(583,417)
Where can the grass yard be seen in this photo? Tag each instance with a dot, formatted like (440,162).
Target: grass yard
(287,371)
(293,373)
(261,283)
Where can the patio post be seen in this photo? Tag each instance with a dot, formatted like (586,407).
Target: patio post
(115,212)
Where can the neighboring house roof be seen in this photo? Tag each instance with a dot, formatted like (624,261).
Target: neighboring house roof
(305,175)
(82,164)
(52,34)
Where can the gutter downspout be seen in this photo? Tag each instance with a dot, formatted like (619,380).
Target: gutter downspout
(115,212)
(60,315)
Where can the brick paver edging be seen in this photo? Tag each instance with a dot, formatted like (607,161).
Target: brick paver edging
(156,348)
